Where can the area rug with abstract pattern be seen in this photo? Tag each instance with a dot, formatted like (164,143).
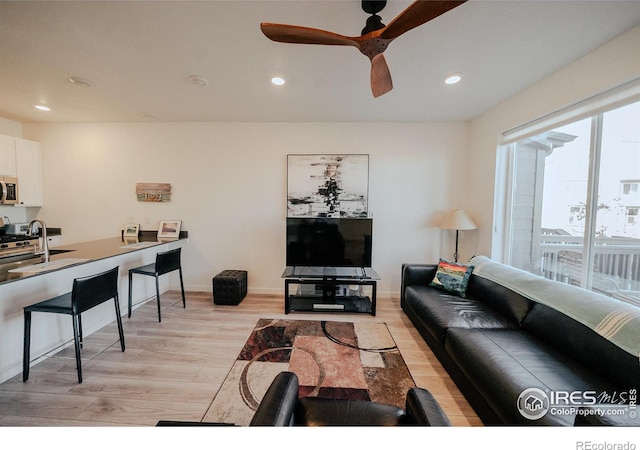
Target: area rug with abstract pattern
(356,360)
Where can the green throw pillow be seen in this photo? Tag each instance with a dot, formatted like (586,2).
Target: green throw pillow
(452,277)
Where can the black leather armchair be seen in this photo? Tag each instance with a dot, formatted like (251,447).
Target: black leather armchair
(281,406)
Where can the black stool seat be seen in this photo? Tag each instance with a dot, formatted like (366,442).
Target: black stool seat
(87,292)
(149,269)
(166,262)
(58,305)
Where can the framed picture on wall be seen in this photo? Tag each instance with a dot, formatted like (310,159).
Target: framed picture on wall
(169,229)
(328,185)
(131,230)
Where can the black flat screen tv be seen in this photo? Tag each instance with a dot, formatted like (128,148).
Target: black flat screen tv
(324,242)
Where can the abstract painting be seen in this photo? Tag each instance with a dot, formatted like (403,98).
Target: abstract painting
(327,185)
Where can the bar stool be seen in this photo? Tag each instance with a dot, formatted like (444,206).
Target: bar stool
(165,262)
(87,292)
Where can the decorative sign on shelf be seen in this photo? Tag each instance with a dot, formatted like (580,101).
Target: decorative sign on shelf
(327,185)
(153,192)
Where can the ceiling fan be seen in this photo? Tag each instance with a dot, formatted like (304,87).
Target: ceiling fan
(375,36)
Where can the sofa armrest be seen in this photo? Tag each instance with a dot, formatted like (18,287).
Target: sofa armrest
(423,409)
(418,273)
(413,274)
(279,402)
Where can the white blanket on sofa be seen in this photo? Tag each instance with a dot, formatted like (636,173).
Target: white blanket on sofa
(613,319)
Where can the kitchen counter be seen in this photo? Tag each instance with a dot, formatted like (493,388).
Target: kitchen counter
(35,281)
(69,255)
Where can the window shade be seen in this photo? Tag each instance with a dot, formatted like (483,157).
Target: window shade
(616,97)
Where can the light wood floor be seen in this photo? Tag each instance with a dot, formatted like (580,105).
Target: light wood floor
(173,370)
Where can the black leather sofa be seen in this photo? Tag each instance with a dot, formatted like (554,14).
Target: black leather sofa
(281,406)
(496,344)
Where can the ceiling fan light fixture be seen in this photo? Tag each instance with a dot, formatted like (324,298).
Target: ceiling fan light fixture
(80,82)
(453,78)
(375,40)
(277,81)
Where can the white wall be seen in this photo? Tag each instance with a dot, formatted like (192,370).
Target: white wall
(229,187)
(611,65)
(10,127)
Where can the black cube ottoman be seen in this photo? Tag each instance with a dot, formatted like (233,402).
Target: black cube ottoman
(229,287)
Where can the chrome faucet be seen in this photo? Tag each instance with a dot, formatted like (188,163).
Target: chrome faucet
(45,242)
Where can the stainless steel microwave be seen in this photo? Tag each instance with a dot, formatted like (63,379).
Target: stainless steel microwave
(8,191)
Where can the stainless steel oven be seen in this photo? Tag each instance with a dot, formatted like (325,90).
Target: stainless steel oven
(8,191)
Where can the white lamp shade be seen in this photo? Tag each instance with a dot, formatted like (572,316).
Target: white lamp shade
(458,220)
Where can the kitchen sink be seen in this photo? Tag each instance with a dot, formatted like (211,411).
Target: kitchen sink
(56,251)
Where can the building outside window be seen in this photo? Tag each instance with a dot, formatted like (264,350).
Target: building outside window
(632,215)
(630,187)
(573,212)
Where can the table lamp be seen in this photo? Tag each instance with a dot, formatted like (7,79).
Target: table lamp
(458,220)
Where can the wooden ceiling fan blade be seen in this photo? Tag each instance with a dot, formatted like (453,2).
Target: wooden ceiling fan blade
(380,76)
(416,14)
(293,34)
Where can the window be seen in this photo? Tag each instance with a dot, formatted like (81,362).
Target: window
(573,204)
(630,187)
(632,215)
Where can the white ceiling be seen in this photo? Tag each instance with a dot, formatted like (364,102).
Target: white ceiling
(139,55)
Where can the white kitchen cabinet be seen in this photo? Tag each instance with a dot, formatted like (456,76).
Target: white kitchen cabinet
(29,172)
(7,156)
(22,158)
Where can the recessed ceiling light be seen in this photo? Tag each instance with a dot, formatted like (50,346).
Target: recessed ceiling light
(278,81)
(81,82)
(43,108)
(197,80)
(453,78)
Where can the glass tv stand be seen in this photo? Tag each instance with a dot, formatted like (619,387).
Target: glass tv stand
(330,289)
